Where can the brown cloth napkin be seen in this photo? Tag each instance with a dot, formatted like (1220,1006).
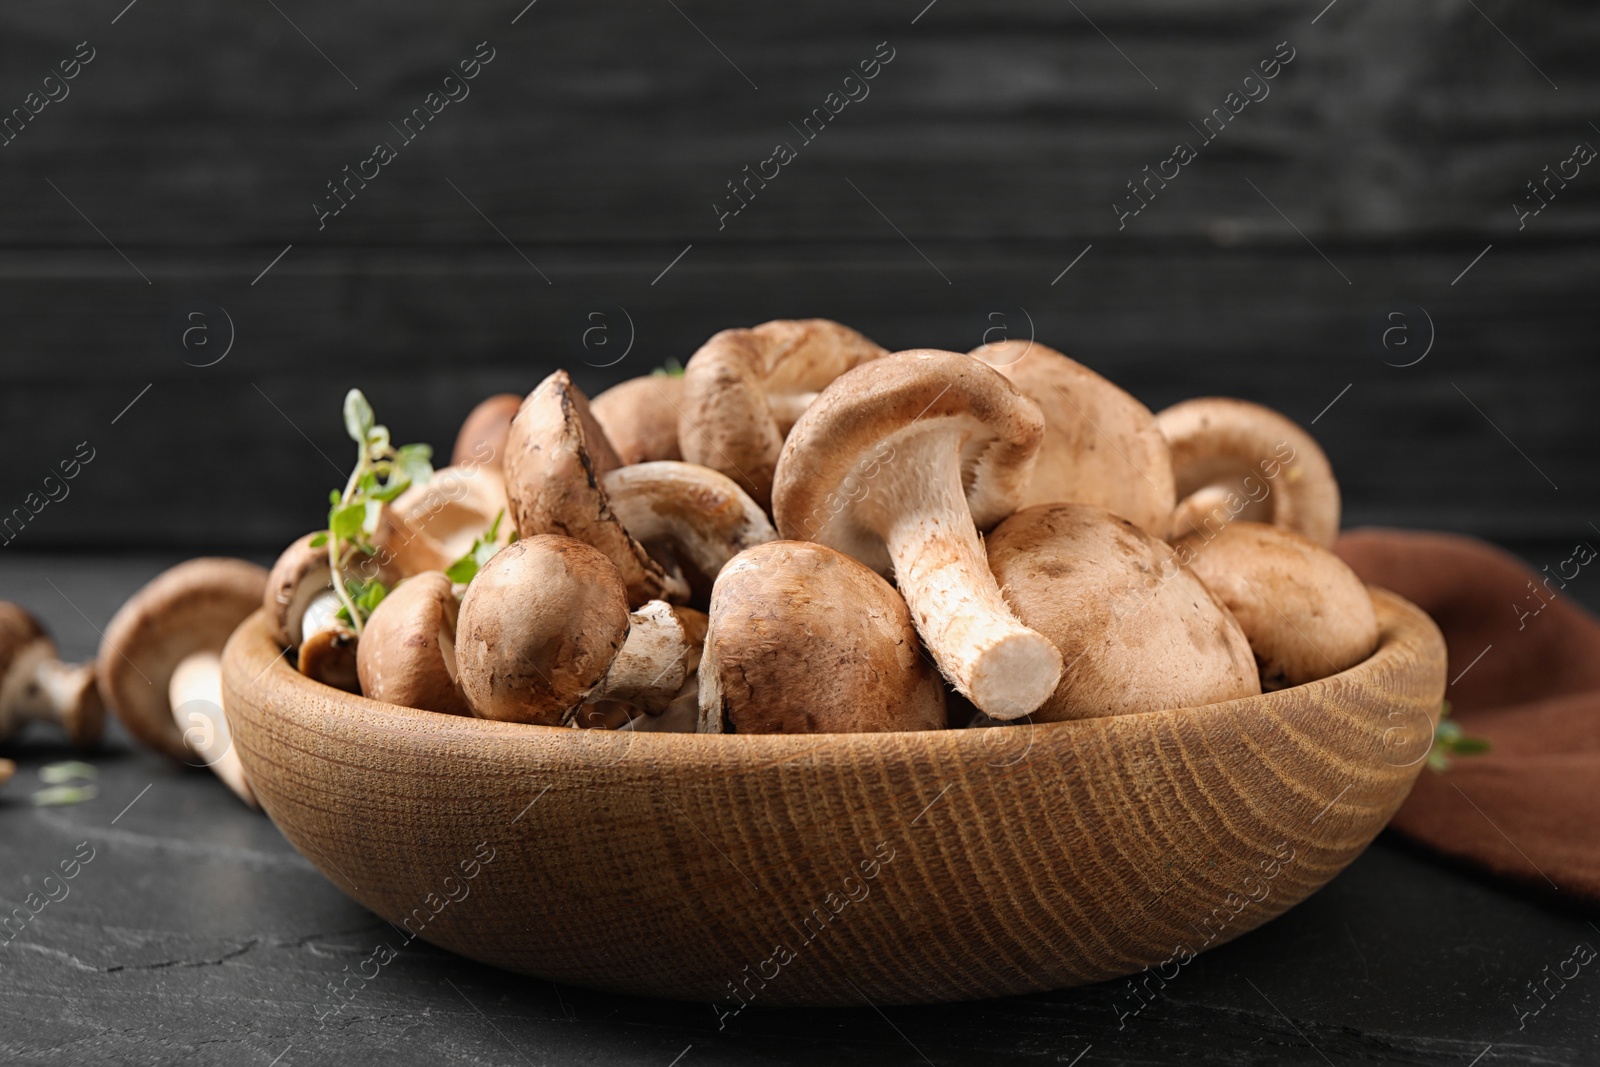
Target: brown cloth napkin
(1525,674)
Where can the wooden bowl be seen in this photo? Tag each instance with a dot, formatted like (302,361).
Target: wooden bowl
(842,868)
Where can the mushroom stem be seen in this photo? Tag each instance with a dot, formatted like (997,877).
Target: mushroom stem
(941,569)
(661,651)
(50,691)
(195,694)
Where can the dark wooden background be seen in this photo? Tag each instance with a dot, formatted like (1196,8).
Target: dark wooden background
(600,135)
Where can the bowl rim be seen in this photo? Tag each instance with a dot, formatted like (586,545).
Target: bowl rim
(1402,625)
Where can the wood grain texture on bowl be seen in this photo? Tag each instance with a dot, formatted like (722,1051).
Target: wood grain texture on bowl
(729,869)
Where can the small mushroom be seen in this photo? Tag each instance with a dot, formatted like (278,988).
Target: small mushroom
(804,639)
(544,627)
(1137,631)
(640,417)
(1303,609)
(303,610)
(481,441)
(7,769)
(689,517)
(556,460)
(35,684)
(160,661)
(1234,460)
(900,463)
(744,389)
(1101,446)
(407,653)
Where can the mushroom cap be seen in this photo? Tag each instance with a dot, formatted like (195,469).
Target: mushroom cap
(452,508)
(687,513)
(837,481)
(1305,612)
(556,456)
(539,627)
(190,608)
(743,387)
(640,417)
(1101,446)
(300,574)
(1221,447)
(1137,631)
(407,654)
(71,691)
(482,437)
(804,639)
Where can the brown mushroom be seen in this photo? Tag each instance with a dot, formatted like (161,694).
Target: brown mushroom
(556,460)
(690,518)
(640,417)
(446,514)
(160,661)
(1137,631)
(1234,460)
(1303,609)
(35,684)
(1101,446)
(407,652)
(804,639)
(544,627)
(7,769)
(900,463)
(303,609)
(744,389)
(481,441)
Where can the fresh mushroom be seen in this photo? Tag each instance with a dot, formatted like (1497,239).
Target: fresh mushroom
(556,460)
(1303,609)
(35,684)
(447,513)
(900,463)
(640,417)
(303,610)
(744,389)
(1101,446)
(481,441)
(7,769)
(407,652)
(1137,631)
(1235,460)
(160,661)
(804,639)
(544,627)
(690,518)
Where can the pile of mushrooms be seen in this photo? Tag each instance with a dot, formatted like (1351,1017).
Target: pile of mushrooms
(806,533)
(800,532)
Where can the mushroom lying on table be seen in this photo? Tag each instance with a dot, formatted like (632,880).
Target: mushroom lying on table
(1101,446)
(1137,631)
(1233,460)
(744,389)
(900,463)
(545,627)
(160,662)
(804,639)
(1306,613)
(36,685)
(640,417)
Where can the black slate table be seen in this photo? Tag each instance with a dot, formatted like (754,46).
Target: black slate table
(196,935)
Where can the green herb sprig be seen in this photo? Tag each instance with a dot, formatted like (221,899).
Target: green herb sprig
(382,472)
(1448,740)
